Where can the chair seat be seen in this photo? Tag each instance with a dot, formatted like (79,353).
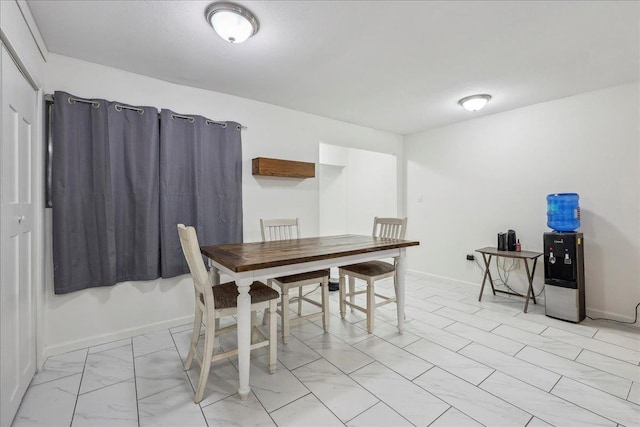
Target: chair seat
(226,294)
(370,268)
(318,274)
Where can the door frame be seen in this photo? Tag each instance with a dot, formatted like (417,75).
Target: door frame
(37,182)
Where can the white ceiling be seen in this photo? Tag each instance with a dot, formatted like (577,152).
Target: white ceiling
(392,65)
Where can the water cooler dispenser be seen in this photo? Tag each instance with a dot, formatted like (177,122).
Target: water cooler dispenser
(564,259)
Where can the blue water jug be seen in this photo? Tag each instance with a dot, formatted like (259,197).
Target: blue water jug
(563,211)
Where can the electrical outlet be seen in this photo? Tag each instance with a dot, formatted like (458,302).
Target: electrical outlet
(470,257)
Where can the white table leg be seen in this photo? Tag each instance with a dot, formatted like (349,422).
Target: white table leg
(214,274)
(401,270)
(244,335)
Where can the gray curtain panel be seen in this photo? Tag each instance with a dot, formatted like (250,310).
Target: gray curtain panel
(200,184)
(104,193)
(134,142)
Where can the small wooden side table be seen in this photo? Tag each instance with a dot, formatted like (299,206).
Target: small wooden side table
(489,252)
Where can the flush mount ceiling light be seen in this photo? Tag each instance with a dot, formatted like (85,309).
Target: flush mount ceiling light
(474,102)
(231,21)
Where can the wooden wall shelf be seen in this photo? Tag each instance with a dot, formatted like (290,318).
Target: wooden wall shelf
(264,166)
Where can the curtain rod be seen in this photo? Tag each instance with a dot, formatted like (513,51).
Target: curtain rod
(49,98)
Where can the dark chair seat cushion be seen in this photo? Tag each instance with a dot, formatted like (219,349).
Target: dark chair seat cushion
(370,268)
(318,274)
(226,294)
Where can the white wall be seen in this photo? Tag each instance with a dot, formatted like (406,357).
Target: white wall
(334,200)
(332,189)
(487,175)
(371,187)
(355,186)
(96,315)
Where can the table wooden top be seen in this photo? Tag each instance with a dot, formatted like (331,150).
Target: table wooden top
(255,256)
(509,254)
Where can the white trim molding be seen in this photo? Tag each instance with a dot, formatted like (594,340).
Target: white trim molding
(66,347)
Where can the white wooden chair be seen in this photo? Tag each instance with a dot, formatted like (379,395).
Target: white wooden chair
(214,302)
(285,229)
(372,271)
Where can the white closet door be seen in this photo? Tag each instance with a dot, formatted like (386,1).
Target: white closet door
(17,297)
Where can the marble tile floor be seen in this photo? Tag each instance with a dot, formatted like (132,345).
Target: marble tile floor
(460,362)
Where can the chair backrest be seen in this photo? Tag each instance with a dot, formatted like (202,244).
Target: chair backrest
(191,251)
(279,229)
(390,228)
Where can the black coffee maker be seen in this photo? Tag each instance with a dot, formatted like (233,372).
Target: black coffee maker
(507,241)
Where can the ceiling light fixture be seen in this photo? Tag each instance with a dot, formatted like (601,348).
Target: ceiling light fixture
(231,21)
(474,102)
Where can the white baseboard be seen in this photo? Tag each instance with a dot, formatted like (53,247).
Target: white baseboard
(113,336)
(441,278)
(591,312)
(595,313)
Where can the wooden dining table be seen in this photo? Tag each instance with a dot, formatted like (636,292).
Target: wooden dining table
(247,262)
